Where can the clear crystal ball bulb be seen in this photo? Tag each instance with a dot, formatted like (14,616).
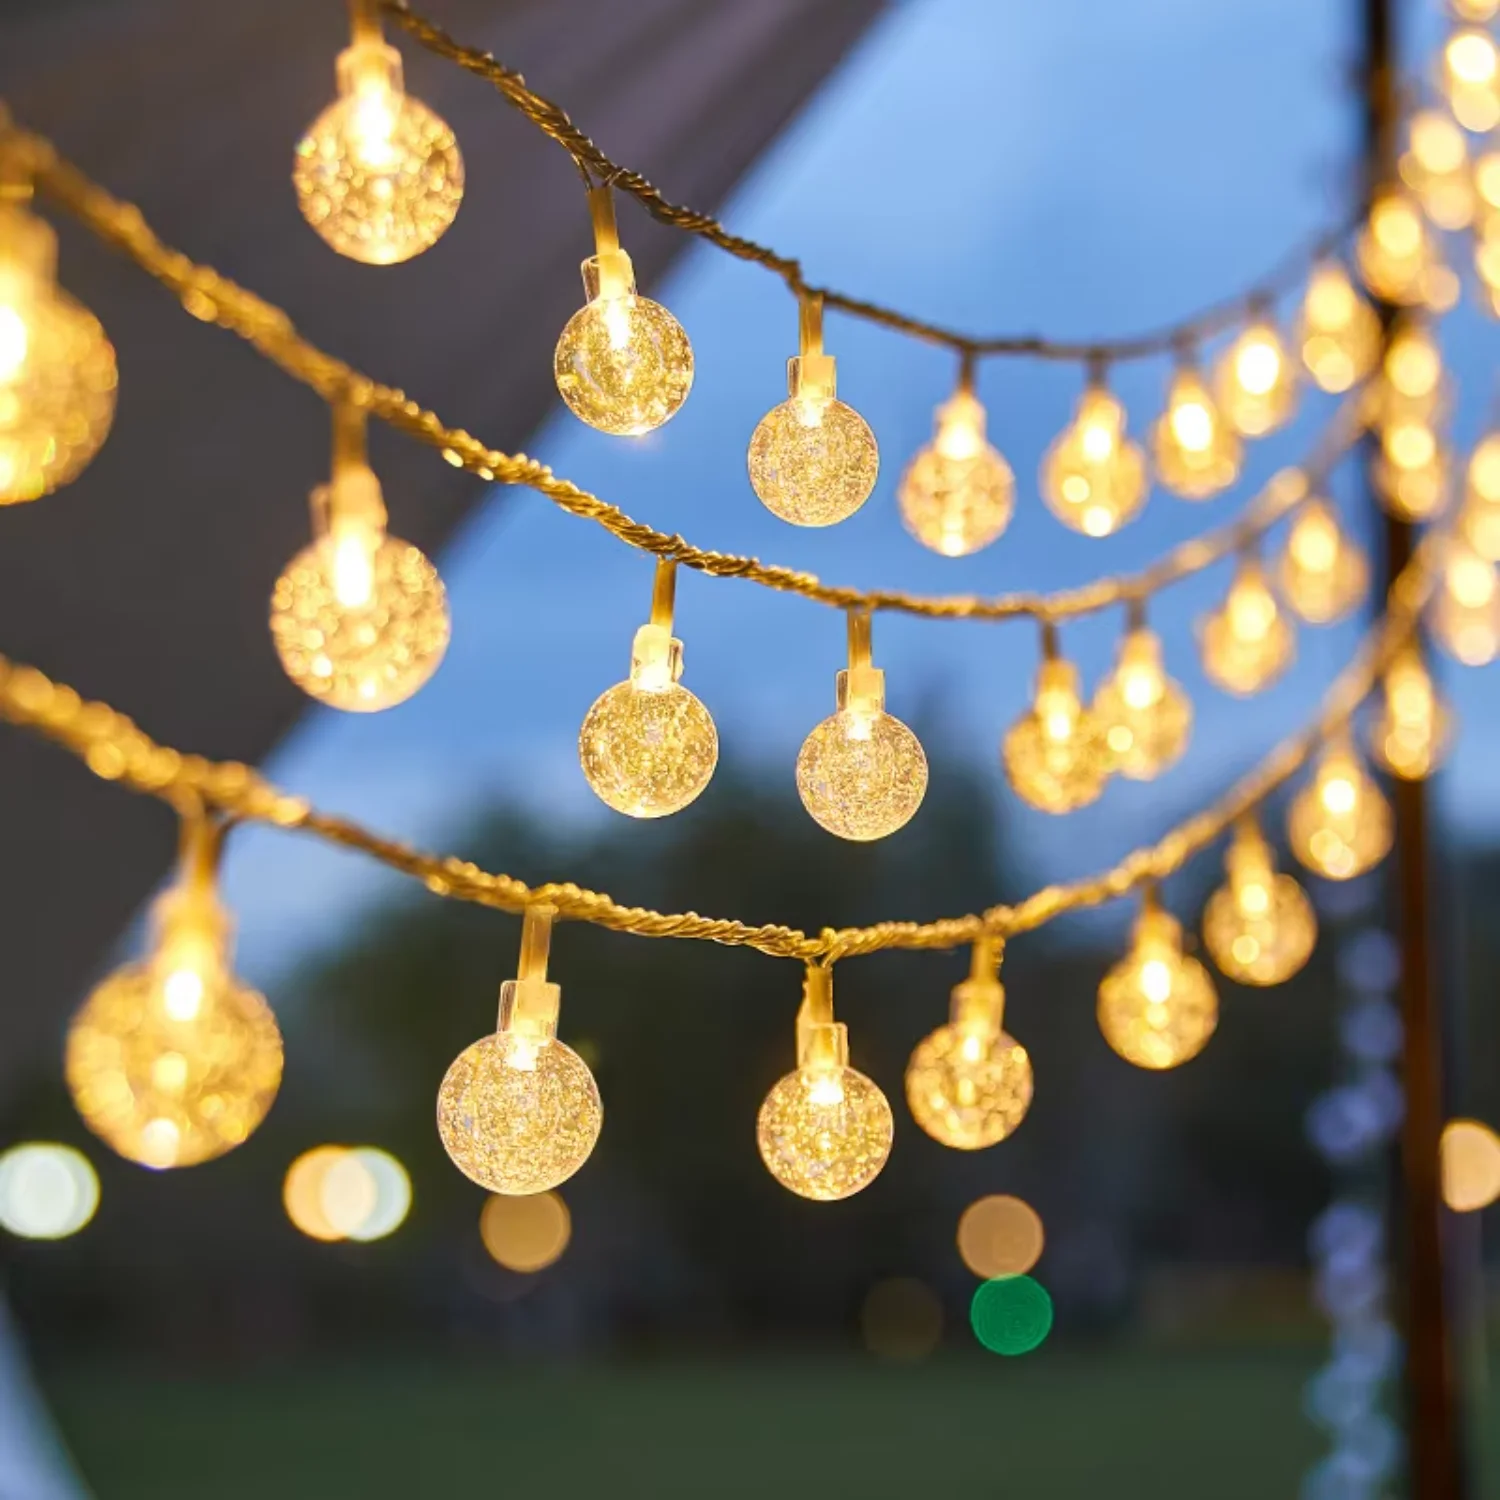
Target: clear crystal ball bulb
(861,775)
(813,462)
(648,752)
(825,1133)
(968,1088)
(623,364)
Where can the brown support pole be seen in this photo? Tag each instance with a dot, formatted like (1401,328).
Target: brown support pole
(1436,1470)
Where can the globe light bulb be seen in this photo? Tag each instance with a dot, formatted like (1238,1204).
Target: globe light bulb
(969,1083)
(359,618)
(1259,926)
(813,460)
(1323,574)
(1465,616)
(861,773)
(648,747)
(174,1061)
(1471,78)
(1339,824)
(1056,755)
(1397,256)
(1157,1006)
(1479,521)
(519,1112)
(1338,330)
(958,493)
(57,369)
(1257,381)
(1197,452)
(1436,169)
(1093,477)
(1248,642)
(378,174)
(1412,468)
(825,1131)
(623,363)
(1146,717)
(1411,733)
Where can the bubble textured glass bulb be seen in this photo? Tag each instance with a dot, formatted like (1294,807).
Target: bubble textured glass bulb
(1397,257)
(1248,643)
(1093,477)
(958,493)
(378,174)
(1147,718)
(1338,330)
(1197,452)
(1259,926)
(648,747)
(1056,755)
(1411,733)
(1323,574)
(1339,824)
(1257,382)
(1157,1006)
(57,369)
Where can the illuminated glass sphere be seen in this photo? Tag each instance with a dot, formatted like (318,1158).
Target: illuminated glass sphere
(1471,78)
(1397,257)
(648,747)
(1147,718)
(623,363)
(968,1085)
(1057,755)
(518,1114)
(958,493)
(1436,169)
(1479,521)
(360,623)
(1410,735)
(1323,574)
(1465,615)
(1247,643)
(1157,1006)
(57,369)
(1412,469)
(1339,824)
(1339,331)
(1257,381)
(1093,477)
(1197,453)
(378,174)
(1259,926)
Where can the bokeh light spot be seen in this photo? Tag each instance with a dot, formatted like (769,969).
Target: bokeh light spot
(902,1320)
(1011,1314)
(392,1194)
(1000,1236)
(526,1234)
(347,1193)
(47,1192)
(302,1193)
(1470,1156)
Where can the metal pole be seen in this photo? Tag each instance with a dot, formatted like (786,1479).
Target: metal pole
(1436,1472)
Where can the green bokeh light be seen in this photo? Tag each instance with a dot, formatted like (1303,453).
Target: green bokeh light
(1011,1314)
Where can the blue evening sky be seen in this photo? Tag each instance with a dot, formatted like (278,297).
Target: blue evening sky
(1096,169)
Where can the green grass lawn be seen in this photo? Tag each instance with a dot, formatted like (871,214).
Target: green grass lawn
(1058,1425)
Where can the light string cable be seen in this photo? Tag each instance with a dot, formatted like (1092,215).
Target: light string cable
(554,121)
(115,749)
(214,298)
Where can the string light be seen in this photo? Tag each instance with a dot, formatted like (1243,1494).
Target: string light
(1056,755)
(174,1061)
(958,493)
(1479,520)
(1248,642)
(623,363)
(1323,574)
(1146,716)
(648,747)
(519,1111)
(1465,616)
(1257,381)
(57,369)
(1410,735)
(359,618)
(1259,926)
(1093,476)
(1397,257)
(861,773)
(1157,1006)
(1197,453)
(825,1131)
(1339,825)
(1471,79)
(1436,169)
(378,174)
(1338,330)
(969,1083)
(813,460)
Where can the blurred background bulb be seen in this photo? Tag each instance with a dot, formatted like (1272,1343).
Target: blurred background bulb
(1436,168)
(57,369)
(1465,615)
(1248,642)
(1339,331)
(1339,823)
(969,1083)
(1056,755)
(1093,476)
(378,174)
(1411,732)
(1396,253)
(1412,468)
(174,1061)
(1480,519)
(519,1111)
(1146,717)
(958,493)
(1256,381)
(1259,926)
(1157,1006)
(1471,78)
(1323,574)
(1197,453)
